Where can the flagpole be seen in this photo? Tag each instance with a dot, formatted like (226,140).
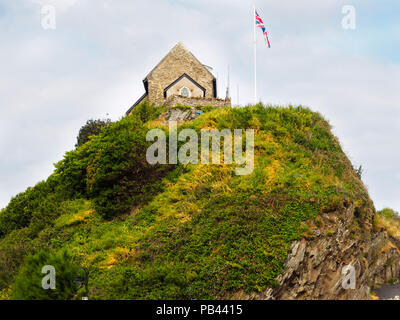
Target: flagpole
(255,56)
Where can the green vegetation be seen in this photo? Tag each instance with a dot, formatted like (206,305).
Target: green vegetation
(181,232)
(390,220)
(28,283)
(389,213)
(112,169)
(91,128)
(147,111)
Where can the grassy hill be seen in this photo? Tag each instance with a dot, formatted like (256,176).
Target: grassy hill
(178,231)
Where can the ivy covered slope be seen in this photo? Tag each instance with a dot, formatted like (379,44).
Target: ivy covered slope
(174,231)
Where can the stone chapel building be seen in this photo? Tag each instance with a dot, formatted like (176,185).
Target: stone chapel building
(180,78)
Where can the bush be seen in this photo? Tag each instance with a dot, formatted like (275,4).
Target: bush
(146,111)
(11,257)
(388,213)
(18,212)
(71,172)
(117,168)
(111,169)
(40,203)
(28,283)
(91,128)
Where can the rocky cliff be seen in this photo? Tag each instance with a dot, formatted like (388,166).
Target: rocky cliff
(316,266)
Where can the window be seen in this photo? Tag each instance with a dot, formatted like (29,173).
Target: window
(185,92)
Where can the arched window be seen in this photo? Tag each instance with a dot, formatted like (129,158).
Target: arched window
(185,92)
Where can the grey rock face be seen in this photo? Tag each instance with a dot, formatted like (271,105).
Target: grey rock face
(181,115)
(314,267)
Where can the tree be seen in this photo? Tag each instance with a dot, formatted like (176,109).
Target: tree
(91,128)
(37,268)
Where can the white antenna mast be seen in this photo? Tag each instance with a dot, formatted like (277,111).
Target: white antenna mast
(228,87)
(217,81)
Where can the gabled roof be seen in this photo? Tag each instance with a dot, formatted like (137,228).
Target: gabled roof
(181,46)
(137,102)
(190,79)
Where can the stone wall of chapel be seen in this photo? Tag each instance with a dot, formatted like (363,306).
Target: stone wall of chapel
(175,64)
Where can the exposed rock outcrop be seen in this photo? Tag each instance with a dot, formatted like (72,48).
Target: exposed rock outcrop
(181,115)
(314,268)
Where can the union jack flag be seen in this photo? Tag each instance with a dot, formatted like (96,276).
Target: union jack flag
(260,24)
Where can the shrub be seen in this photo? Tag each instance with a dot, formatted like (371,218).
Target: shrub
(91,128)
(11,257)
(111,169)
(40,203)
(117,168)
(388,213)
(146,111)
(28,283)
(17,214)
(71,172)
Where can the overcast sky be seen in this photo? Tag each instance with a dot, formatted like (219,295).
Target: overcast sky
(93,63)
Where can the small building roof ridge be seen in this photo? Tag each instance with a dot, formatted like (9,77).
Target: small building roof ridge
(179,44)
